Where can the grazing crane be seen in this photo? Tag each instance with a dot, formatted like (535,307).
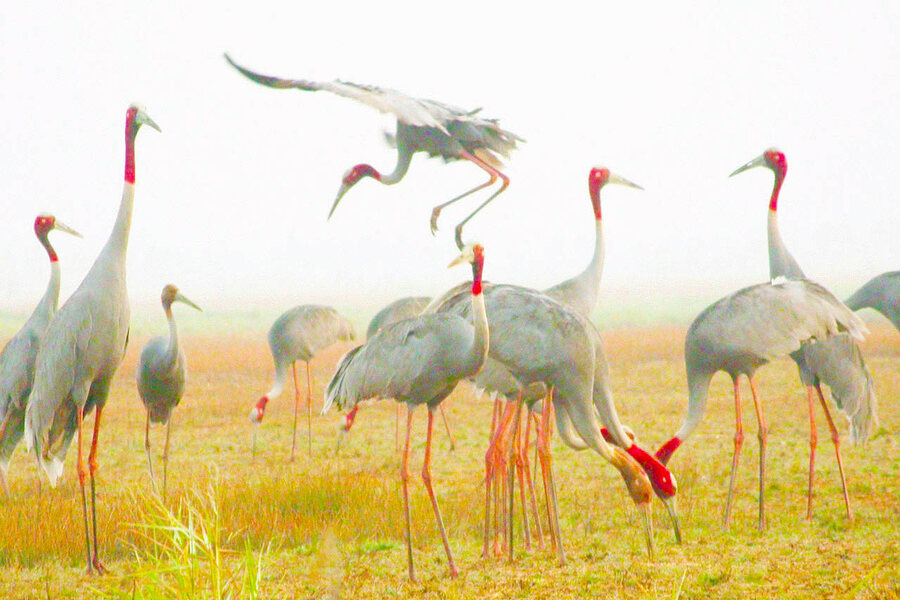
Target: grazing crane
(838,363)
(18,356)
(539,341)
(881,293)
(82,350)
(398,310)
(417,361)
(300,333)
(740,333)
(438,129)
(160,377)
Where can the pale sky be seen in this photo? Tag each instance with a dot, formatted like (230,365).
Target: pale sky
(232,196)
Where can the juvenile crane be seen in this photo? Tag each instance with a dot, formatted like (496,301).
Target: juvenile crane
(82,349)
(881,293)
(837,362)
(160,377)
(417,361)
(18,356)
(740,333)
(438,129)
(300,333)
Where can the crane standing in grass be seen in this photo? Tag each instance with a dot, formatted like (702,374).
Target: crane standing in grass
(417,361)
(300,333)
(740,333)
(881,293)
(423,125)
(19,354)
(160,377)
(837,362)
(82,350)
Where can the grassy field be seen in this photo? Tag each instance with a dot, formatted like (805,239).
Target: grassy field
(330,527)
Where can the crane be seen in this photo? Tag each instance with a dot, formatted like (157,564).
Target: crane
(160,377)
(398,310)
(17,358)
(881,293)
(82,349)
(540,341)
(300,333)
(417,361)
(743,331)
(438,129)
(837,363)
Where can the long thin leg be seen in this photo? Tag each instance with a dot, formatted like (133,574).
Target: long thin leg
(763,435)
(459,227)
(813,440)
(738,443)
(524,476)
(308,410)
(404,478)
(426,477)
(836,439)
(447,427)
(82,477)
(528,477)
(93,465)
(166,454)
(296,409)
(491,171)
(2,476)
(147,450)
(550,485)
(511,462)
(492,475)
(397,439)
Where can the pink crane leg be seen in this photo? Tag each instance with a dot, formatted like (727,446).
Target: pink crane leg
(511,463)
(447,426)
(426,477)
(82,478)
(93,465)
(836,440)
(492,475)
(524,475)
(165,456)
(501,472)
(147,450)
(523,450)
(547,472)
(296,410)
(397,438)
(738,443)
(308,410)
(404,478)
(492,173)
(763,435)
(813,440)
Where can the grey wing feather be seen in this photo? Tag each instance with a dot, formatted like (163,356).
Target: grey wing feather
(881,293)
(16,378)
(398,310)
(160,380)
(303,331)
(838,363)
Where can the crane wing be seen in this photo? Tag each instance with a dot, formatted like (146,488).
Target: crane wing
(17,371)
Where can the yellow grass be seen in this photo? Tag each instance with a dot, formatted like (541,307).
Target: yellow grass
(331,526)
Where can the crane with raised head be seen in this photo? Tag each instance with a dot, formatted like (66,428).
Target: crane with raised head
(20,352)
(428,126)
(881,293)
(160,377)
(743,331)
(838,363)
(417,361)
(300,333)
(82,350)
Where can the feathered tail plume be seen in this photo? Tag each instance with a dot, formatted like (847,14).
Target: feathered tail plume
(335,392)
(838,363)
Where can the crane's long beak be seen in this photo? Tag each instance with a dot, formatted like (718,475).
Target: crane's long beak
(759,161)
(63,227)
(648,527)
(673,514)
(613,178)
(466,256)
(340,194)
(144,119)
(179,297)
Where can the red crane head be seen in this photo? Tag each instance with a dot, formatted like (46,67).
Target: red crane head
(474,255)
(43,225)
(773,159)
(597,178)
(351,178)
(258,410)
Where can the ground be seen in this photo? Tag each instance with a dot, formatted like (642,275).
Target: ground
(232,526)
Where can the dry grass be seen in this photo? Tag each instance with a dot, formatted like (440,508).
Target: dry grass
(331,527)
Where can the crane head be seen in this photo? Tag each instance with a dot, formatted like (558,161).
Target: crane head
(137,116)
(474,255)
(171,294)
(351,178)
(45,223)
(258,410)
(600,176)
(773,159)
